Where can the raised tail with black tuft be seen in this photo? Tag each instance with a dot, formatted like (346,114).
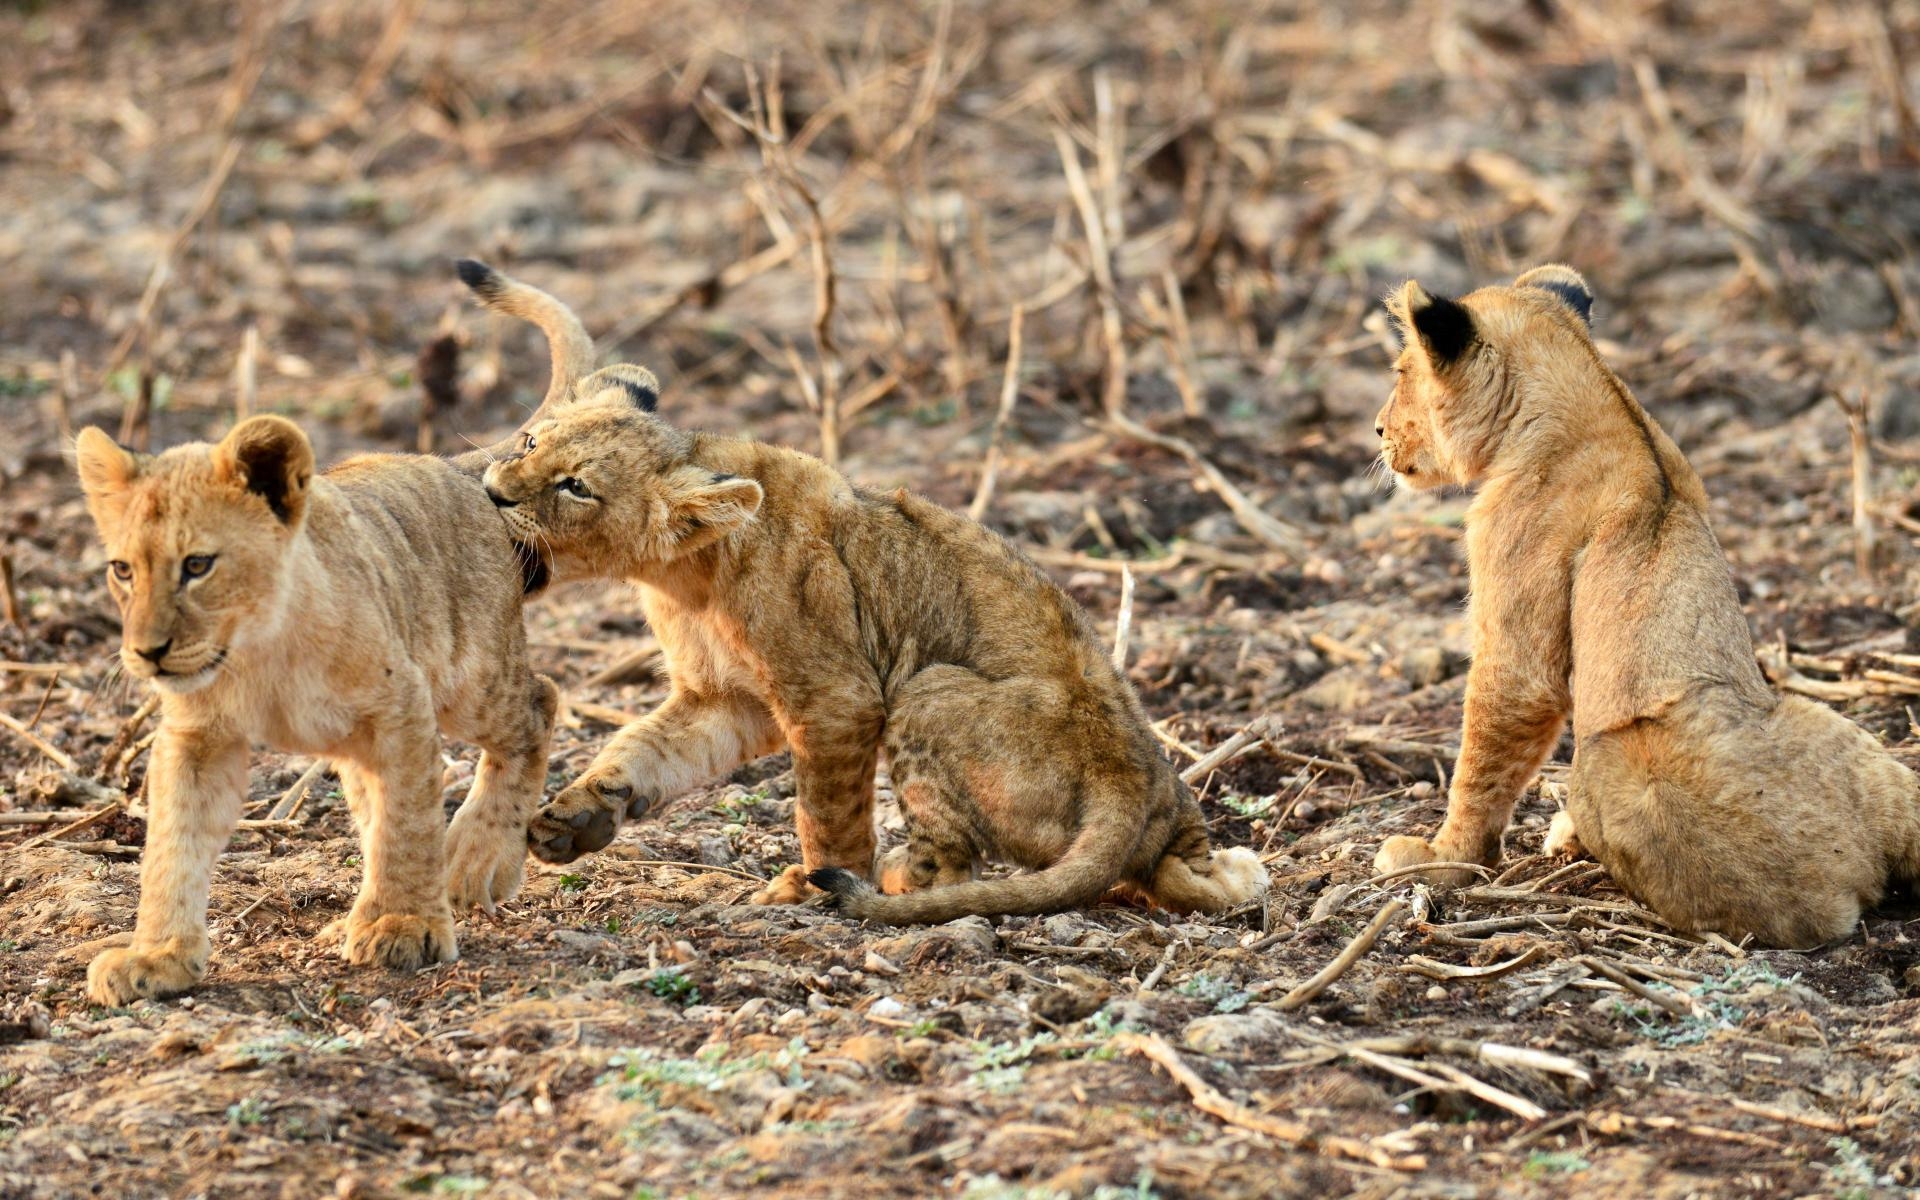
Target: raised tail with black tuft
(566,337)
(1092,864)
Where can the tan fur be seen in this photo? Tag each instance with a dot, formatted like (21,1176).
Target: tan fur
(351,615)
(1717,802)
(795,610)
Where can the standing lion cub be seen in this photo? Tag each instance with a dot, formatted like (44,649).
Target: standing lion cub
(796,610)
(1599,591)
(353,614)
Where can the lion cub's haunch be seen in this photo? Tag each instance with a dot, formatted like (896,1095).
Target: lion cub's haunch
(351,614)
(1599,591)
(795,610)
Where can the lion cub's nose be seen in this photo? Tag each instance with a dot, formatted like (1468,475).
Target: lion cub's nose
(500,501)
(1379,430)
(154,654)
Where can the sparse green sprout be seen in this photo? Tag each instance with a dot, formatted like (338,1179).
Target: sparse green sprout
(573,883)
(1221,993)
(1543,1163)
(672,984)
(246,1112)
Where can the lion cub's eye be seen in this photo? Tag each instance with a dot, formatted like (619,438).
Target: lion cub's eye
(573,487)
(121,571)
(196,565)
(526,443)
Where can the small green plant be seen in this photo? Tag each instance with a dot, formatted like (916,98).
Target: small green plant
(1853,1175)
(1221,993)
(8,945)
(1249,806)
(672,984)
(643,1073)
(613,924)
(1542,1163)
(999,1067)
(992,1187)
(573,883)
(246,1112)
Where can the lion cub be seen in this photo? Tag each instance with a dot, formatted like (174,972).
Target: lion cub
(796,610)
(1599,591)
(352,614)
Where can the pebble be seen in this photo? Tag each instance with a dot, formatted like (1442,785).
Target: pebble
(1436,992)
(819,1003)
(886,1006)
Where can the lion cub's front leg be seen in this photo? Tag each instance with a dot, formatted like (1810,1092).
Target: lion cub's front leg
(402,918)
(195,789)
(1516,704)
(687,740)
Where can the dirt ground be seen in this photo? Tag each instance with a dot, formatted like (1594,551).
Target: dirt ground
(1194,208)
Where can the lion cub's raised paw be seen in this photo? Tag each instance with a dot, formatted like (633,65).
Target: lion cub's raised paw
(123,975)
(586,815)
(400,941)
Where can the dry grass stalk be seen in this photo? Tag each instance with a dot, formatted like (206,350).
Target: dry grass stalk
(118,748)
(1123,626)
(246,374)
(1113,393)
(1449,1079)
(162,269)
(1240,743)
(9,600)
(393,37)
(65,395)
(92,818)
(1674,1003)
(1210,1100)
(39,743)
(1272,531)
(1009,395)
(1859,412)
(1362,942)
(291,800)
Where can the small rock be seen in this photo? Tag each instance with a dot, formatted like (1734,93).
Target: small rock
(1436,992)
(816,1002)
(1230,1033)
(876,965)
(715,851)
(886,1006)
(1064,929)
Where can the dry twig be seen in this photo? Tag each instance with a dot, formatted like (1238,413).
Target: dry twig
(1343,962)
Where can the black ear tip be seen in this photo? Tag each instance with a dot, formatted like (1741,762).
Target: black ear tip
(644,398)
(477,275)
(1446,327)
(1576,297)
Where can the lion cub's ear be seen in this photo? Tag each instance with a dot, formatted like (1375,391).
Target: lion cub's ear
(1565,284)
(1445,329)
(636,381)
(708,507)
(270,457)
(105,466)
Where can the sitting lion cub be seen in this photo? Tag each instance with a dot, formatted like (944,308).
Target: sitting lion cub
(796,610)
(1598,590)
(352,614)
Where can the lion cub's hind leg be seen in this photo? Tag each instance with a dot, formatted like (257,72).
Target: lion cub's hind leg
(939,851)
(1193,877)
(487,842)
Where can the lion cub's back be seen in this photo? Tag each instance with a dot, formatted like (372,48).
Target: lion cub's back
(428,546)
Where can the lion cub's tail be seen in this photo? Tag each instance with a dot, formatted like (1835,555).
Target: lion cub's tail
(1091,865)
(566,336)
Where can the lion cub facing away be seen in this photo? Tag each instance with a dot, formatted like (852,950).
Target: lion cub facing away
(348,614)
(1719,803)
(796,610)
